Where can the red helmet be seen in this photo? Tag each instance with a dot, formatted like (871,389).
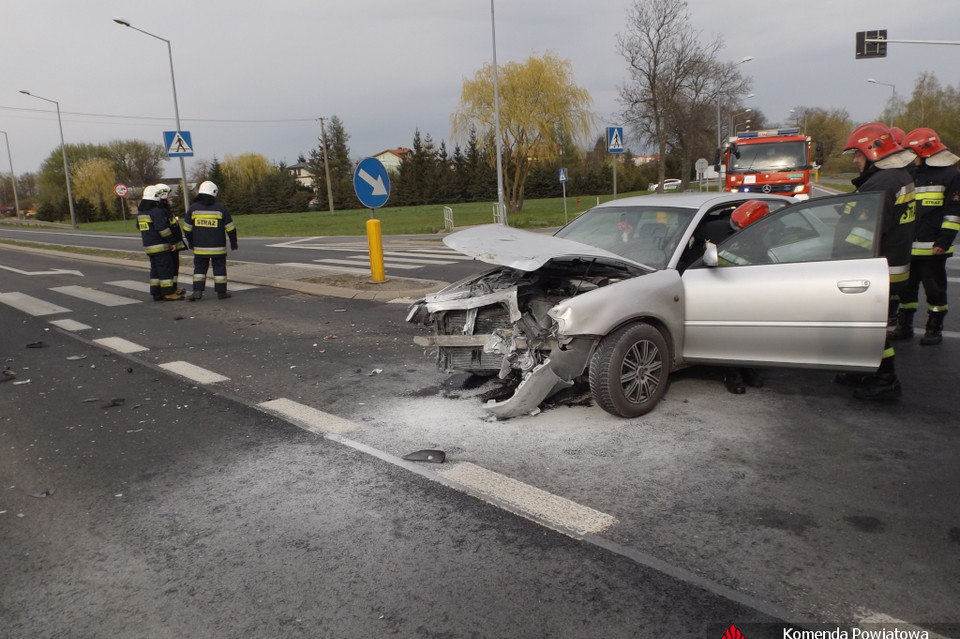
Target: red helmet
(874,140)
(898,135)
(924,142)
(748,213)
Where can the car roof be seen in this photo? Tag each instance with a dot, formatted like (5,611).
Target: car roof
(692,199)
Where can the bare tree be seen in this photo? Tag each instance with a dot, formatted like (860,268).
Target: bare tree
(675,79)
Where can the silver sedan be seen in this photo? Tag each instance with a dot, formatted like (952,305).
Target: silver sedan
(636,288)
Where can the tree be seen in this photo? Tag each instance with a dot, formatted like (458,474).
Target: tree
(93,180)
(675,80)
(341,167)
(831,128)
(539,103)
(136,162)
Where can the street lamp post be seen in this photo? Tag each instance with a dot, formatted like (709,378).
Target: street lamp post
(736,115)
(63,148)
(737,125)
(720,95)
(176,107)
(893,102)
(501,209)
(13,176)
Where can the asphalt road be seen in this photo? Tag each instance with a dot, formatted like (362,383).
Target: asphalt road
(793,500)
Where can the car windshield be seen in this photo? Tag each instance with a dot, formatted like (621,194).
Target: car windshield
(773,156)
(645,234)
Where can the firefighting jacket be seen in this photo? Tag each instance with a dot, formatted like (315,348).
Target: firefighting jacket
(938,209)
(155,231)
(207,227)
(899,216)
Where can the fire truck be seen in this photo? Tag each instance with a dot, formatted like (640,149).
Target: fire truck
(769,161)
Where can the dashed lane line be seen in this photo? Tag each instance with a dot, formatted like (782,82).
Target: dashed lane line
(71,325)
(194,373)
(121,345)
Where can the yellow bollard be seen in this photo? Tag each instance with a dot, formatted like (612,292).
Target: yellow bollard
(375,242)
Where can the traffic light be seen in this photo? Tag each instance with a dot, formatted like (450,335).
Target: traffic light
(871,49)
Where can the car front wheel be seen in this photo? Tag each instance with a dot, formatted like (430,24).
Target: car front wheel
(629,370)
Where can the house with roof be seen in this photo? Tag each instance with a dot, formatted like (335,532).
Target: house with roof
(391,158)
(302,173)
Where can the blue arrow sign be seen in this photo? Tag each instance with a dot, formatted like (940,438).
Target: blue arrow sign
(371,183)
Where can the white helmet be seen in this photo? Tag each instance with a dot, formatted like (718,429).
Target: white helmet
(208,188)
(150,193)
(163,191)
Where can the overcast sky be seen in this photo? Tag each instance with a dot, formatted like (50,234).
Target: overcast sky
(253,75)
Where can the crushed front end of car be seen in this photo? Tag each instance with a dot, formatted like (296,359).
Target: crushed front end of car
(508,322)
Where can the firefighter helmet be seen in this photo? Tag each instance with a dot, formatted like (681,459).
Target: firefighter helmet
(748,213)
(924,142)
(208,188)
(150,193)
(874,140)
(898,135)
(163,191)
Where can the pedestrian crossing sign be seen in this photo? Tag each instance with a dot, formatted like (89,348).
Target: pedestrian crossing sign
(615,139)
(178,144)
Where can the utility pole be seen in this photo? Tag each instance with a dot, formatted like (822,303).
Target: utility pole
(326,164)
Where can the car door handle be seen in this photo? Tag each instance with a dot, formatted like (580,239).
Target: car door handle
(853,286)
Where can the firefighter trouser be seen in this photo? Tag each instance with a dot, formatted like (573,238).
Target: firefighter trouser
(200,265)
(164,268)
(932,273)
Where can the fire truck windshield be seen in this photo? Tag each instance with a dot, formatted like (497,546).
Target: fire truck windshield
(771,156)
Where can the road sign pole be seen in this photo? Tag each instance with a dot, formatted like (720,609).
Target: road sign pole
(564,203)
(375,244)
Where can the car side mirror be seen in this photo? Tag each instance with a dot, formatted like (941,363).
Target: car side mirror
(819,157)
(710,257)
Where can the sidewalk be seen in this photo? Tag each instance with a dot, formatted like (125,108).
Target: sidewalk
(303,279)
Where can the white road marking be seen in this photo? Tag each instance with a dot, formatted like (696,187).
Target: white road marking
(93,295)
(555,511)
(539,505)
(878,618)
(330,269)
(355,263)
(144,287)
(194,373)
(70,325)
(31,305)
(55,271)
(121,345)
(308,418)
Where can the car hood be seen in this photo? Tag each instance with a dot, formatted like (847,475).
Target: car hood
(523,250)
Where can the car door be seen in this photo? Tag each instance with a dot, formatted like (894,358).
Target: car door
(801,287)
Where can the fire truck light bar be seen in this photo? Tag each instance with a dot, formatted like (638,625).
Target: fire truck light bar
(767,133)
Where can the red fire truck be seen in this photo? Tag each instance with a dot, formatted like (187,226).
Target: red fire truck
(769,161)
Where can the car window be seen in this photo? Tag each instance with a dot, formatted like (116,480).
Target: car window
(645,234)
(834,228)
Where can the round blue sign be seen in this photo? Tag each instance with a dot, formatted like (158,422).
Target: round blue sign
(371,183)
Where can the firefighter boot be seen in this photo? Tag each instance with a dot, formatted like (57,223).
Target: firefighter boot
(882,386)
(904,327)
(196,296)
(934,330)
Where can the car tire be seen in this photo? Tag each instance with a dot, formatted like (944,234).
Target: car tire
(629,370)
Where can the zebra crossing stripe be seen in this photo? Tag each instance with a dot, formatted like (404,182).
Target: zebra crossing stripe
(30,305)
(121,345)
(93,295)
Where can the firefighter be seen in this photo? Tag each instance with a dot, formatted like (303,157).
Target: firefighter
(881,163)
(176,233)
(154,225)
(937,183)
(208,225)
